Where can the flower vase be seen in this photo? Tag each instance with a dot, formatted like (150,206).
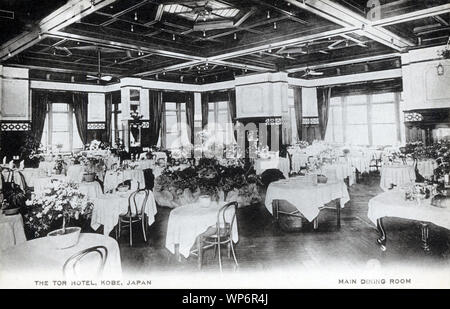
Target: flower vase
(65,237)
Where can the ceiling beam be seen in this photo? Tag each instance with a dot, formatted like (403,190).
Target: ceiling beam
(403,18)
(341,63)
(344,17)
(69,13)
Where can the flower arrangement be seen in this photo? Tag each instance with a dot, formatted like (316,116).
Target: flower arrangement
(61,202)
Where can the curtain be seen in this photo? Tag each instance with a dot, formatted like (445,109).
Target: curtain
(156,112)
(80,108)
(298,111)
(39,103)
(205,109)
(232,109)
(190,112)
(323,106)
(108,112)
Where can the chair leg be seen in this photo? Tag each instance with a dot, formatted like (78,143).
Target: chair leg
(120,228)
(229,250)
(234,254)
(131,233)
(220,257)
(144,228)
(215,251)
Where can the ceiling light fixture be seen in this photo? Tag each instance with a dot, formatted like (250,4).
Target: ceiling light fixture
(92,3)
(204,33)
(274,25)
(235,36)
(268,14)
(181,78)
(173,37)
(9,54)
(39,36)
(135,16)
(132,28)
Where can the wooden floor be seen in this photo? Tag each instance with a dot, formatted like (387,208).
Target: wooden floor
(263,246)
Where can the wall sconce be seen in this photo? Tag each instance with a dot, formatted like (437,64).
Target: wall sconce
(440,69)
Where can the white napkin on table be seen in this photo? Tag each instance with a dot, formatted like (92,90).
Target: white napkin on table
(4,160)
(22,165)
(11,164)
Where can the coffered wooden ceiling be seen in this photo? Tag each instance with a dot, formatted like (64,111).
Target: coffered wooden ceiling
(200,42)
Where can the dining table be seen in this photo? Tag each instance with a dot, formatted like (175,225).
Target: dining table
(43,183)
(11,230)
(114,178)
(39,258)
(396,175)
(307,197)
(393,204)
(187,222)
(108,208)
(280,163)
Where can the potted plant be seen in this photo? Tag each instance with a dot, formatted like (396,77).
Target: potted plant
(13,197)
(89,170)
(59,205)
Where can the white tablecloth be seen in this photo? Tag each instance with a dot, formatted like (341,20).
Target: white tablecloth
(113,179)
(426,167)
(39,256)
(108,208)
(75,173)
(278,163)
(341,170)
(41,183)
(145,164)
(361,163)
(397,175)
(393,204)
(299,160)
(46,166)
(11,231)
(187,222)
(307,198)
(90,189)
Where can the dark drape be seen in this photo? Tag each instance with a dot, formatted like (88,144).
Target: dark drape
(156,111)
(80,108)
(108,113)
(323,105)
(298,111)
(39,103)
(232,109)
(190,112)
(205,109)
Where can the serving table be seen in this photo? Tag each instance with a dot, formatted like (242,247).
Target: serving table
(108,208)
(189,221)
(398,174)
(11,231)
(39,256)
(307,198)
(393,204)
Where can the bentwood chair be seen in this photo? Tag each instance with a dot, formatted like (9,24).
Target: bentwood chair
(218,235)
(70,266)
(134,214)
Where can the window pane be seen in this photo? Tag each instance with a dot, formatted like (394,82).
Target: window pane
(60,107)
(61,138)
(357,99)
(223,105)
(336,114)
(77,143)
(357,114)
(293,124)
(44,140)
(223,117)
(383,97)
(384,134)
(383,113)
(357,134)
(171,106)
(60,122)
(171,122)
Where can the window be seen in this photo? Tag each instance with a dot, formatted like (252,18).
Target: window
(220,126)
(364,119)
(116,123)
(174,131)
(293,119)
(60,128)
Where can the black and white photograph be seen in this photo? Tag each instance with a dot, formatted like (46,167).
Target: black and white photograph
(225,144)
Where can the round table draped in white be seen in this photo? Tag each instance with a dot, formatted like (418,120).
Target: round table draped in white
(396,175)
(11,231)
(108,208)
(426,167)
(39,257)
(42,183)
(113,178)
(187,222)
(298,160)
(307,198)
(91,189)
(339,170)
(361,163)
(279,163)
(75,173)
